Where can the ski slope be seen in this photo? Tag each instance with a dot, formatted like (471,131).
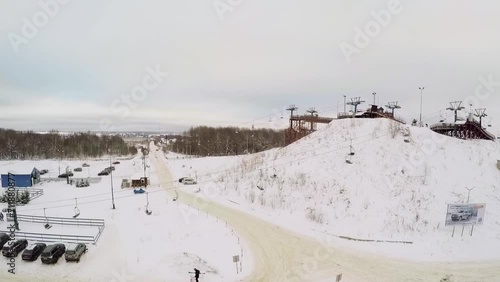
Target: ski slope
(393,191)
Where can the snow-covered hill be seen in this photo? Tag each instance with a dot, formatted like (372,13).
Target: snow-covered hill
(393,190)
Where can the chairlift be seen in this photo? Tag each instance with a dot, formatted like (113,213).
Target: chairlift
(47,224)
(351,151)
(443,118)
(77,210)
(348,159)
(148,211)
(259,185)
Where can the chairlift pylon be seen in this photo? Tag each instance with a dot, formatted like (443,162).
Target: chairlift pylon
(77,210)
(47,224)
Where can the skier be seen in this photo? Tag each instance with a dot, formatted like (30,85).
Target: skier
(196,274)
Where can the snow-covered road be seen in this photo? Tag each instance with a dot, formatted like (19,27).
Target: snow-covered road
(282,255)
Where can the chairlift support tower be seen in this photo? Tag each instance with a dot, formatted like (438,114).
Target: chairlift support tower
(393,106)
(480,113)
(455,107)
(355,102)
(291,108)
(312,111)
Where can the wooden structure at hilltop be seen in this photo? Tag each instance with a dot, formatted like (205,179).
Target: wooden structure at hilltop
(468,129)
(303,125)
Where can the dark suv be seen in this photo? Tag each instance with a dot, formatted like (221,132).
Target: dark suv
(14,249)
(52,253)
(4,238)
(33,251)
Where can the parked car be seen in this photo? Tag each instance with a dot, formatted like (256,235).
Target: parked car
(116,162)
(78,169)
(44,171)
(82,183)
(52,253)
(75,251)
(188,181)
(33,251)
(85,165)
(14,249)
(104,172)
(461,215)
(65,175)
(4,238)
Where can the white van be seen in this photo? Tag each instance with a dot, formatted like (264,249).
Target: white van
(188,181)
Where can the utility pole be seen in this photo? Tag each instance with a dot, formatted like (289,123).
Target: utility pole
(345,97)
(111,174)
(421,95)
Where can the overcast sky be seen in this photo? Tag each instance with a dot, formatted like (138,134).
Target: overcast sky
(240,64)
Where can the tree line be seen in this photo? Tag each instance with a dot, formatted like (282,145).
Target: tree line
(30,145)
(223,141)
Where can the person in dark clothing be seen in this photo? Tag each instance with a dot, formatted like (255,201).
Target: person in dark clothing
(196,274)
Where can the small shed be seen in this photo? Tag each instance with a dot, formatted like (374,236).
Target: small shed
(22,180)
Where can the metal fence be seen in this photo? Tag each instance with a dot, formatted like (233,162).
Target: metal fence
(46,237)
(70,238)
(90,179)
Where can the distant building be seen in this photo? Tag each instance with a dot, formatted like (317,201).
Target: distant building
(22,180)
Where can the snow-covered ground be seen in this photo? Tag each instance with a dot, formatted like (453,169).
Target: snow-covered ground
(394,190)
(163,246)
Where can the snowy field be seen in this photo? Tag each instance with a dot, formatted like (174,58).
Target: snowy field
(163,246)
(392,191)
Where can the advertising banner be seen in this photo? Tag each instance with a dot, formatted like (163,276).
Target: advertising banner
(459,214)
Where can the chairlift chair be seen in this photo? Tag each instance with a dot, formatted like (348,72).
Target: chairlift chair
(348,159)
(47,224)
(351,151)
(77,210)
(148,211)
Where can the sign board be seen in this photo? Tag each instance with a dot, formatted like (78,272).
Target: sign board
(236,258)
(460,214)
(339,277)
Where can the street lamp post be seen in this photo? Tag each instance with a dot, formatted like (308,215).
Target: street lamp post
(111,174)
(345,97)
(421,94)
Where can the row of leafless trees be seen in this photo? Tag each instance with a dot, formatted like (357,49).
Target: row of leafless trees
(223,141)
(30,145)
